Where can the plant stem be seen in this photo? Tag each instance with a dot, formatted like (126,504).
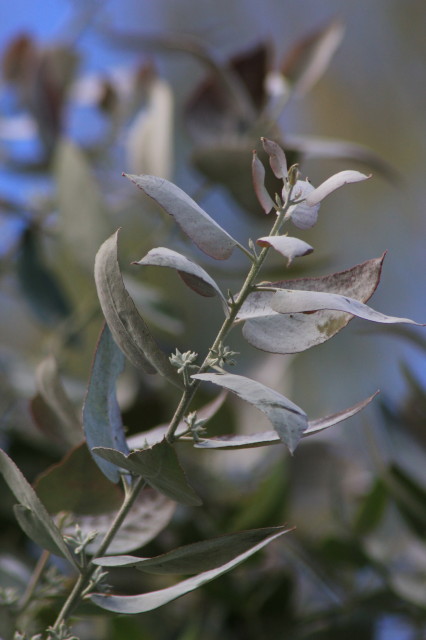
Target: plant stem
(35,578)
(84,578)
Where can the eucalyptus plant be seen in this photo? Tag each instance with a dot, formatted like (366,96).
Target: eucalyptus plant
(287,316)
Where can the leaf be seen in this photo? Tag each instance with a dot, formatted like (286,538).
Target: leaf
(302,215)
(126,325)
(67,424)
(77,485)
(290,301)
(153,600)
(192,274)
(309,58)
(193,558)
(277,158)
(102,422)
(288,247)
(33,527)
(83,220)
(196,223)
(156,435)
(267,330)
(160,467)
(288,419)
(266,438)
(258,176)
(27,497)
(331,184)
(150,514)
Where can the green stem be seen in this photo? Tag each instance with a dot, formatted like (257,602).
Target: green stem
(84,578)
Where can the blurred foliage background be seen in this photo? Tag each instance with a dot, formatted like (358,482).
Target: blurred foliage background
(91,90)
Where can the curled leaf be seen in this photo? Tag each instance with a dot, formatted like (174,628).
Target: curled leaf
(302,215)
(289,247)
(277,158)
(288,419)
(258,175)
(193,220)
(331,184)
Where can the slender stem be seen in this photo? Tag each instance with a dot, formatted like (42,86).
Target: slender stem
(84,578)
(35,578)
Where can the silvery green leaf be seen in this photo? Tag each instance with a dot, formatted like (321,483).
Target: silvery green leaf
(270,331)
(35,529)
(331,184)
(159,466)
(289,420)
(27,497)
(102,422)
(277,158)
(193,220)
(267,438)
(154,599)
(302,215)
(193,558)
(258,176)
(287,246)
(192,274)
(126,324)
(290,301)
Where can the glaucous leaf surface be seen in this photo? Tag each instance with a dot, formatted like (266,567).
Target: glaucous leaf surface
(76,484)
(102,422)
(193,558)
(159,466)
(333,183)
(126,324)
(193,220)
(290,301)
(153,600)
(150,514)
(277,158)
(26,496)
(289,420)
(268,330)
(266,438)
(287,246)
(191,273)
(258,176)
(302,215)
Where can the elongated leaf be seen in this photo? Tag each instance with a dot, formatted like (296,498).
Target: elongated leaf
(290,301)
(258,176)
(302,215)
(126,325)
(77,485)
(196,223)
(192,274)
(270,331)
(289,247)
(277,158)
(34,528)
(156,435)
(266,438)
(288,419)
(27,497)
(155,599)
(196,557)
(101,414)
(150,514)
(333,183)
(160,467)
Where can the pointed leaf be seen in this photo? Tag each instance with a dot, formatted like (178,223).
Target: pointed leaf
(192,274)
(193,558)
(126,325)
(155,599)
(270,331)
(277,158)
(102,422)
(160,467)
(288,247)
(288,419)
(196,223)
(33,527)
(150,514)
(333,183)
(77,485)
(266,438)
(290,301)
(27,497)
(302,215)
(258,176)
